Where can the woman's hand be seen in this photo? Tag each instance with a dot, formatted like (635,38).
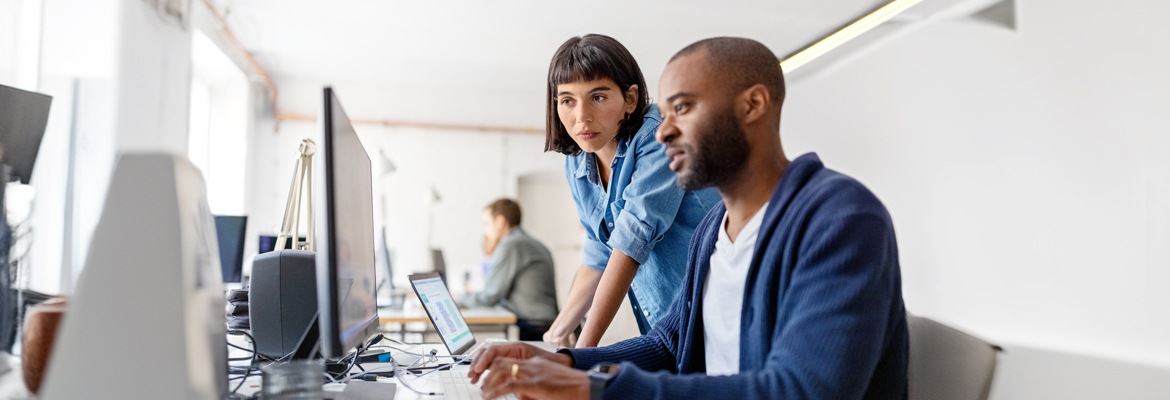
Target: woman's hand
(560,334)
(580,298)
(485,358)
(535,378)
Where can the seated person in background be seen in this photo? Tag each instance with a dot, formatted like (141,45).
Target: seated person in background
(793,289)
(521,277)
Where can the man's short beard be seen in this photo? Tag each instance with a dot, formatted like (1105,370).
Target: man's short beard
(720,154)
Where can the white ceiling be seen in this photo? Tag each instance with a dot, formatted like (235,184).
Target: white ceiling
(484,63)
(473,48)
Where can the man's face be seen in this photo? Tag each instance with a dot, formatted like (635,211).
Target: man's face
(491,226)
(706,144)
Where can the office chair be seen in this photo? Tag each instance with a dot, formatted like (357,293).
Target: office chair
(947,364)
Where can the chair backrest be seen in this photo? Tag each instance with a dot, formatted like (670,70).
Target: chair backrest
(946,364)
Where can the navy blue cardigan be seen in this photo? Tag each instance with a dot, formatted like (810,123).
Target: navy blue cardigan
(822,311)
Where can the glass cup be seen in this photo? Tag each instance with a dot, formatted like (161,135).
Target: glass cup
(293,380)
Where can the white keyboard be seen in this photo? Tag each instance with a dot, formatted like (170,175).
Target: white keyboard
(457,386)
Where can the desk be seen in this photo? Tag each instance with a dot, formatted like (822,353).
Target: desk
(427,383)
(476,317)
(473,316)
(12,380)
(12,384)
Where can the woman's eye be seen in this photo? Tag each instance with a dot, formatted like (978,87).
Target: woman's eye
(566,101)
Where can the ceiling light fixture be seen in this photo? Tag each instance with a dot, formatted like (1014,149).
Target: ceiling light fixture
(845,34)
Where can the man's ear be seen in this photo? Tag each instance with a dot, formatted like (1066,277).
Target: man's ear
(632,98)
(754,103)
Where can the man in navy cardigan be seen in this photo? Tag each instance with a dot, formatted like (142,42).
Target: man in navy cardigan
(822,314)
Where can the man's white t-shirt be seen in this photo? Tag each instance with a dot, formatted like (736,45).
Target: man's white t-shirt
(723,295)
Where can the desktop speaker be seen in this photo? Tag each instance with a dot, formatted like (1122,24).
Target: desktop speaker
(283,299)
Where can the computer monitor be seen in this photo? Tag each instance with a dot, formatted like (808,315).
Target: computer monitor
(23,118)
(439,263)
(267,243)
(346,284)
(388,263)
(230,230)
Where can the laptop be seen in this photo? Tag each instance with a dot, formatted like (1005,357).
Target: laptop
(444,314)
(453,329)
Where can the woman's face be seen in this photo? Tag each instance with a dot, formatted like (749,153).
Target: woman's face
(593,111)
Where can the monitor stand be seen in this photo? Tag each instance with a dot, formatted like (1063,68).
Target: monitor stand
(309,347)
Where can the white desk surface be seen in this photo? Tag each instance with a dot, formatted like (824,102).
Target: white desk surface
(12,381)
(12,385)
(428,383)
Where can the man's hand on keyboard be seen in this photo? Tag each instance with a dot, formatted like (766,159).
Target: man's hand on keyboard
(535,378)
(520,351)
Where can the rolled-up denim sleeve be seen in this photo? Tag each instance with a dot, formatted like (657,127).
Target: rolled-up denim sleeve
(595,254)
(652,200)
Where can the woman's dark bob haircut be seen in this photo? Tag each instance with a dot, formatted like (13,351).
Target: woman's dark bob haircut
(583,59)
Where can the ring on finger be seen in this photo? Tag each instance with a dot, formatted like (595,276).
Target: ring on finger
(515,371)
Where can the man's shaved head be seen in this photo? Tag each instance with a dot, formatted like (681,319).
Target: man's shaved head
(740,63)
(720,101)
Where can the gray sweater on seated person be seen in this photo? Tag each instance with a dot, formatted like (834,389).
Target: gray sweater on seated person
(521,279)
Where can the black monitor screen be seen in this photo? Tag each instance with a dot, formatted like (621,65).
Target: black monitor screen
(23,118)
(346,283)
(230,232)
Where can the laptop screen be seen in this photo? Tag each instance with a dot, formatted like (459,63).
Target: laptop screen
(435,298)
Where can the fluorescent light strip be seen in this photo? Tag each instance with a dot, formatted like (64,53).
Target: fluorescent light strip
(846,34)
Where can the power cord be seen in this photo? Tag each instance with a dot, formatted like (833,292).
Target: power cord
(401,374)
(350,361)
(251,364)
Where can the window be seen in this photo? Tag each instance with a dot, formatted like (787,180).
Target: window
(20,43)
(218,138)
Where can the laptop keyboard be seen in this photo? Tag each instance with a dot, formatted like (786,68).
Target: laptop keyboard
(457,386)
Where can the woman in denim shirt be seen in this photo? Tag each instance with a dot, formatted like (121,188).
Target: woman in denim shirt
(638,223)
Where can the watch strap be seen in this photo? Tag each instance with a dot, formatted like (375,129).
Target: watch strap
(598,380)
(597,384)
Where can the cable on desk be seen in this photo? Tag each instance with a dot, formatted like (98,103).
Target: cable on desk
(251,364)
(353,359)
(401,379)
(350,361)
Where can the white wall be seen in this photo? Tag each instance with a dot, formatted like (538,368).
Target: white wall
(120,77)
(1026,172)
(20,35)
(468,170)
(79,72)
(217,141)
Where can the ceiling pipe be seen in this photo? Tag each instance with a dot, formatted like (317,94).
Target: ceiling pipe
(251,61)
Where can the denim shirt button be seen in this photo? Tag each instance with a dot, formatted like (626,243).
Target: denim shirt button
(611,224)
